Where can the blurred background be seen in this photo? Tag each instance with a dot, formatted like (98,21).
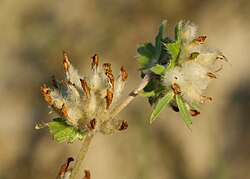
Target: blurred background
(33,35)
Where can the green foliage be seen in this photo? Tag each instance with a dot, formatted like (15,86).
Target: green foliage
(158,69)
(63,132)
(161,104)
(174,48)
(183,109)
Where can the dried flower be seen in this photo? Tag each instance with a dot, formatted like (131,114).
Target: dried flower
(85,102)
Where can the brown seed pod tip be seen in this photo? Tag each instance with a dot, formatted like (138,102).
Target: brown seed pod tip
(194,55)
(211,75)
(86,174)
(85,87)
(176,88)
(64,167)
(46,94)
(64,110)
(200,39)
(92,124)
(65,61)
(95,61)
(107,67)
(194,112)
(109,98)
(207,98)
(124,125)
(124,74)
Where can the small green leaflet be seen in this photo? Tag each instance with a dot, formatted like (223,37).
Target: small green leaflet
(158,39)
(146,94)
(174,48)
(158,69)
(64,132)
(183,109)
(147,50)
(161,104)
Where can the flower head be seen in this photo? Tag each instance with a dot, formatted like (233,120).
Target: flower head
(85,102)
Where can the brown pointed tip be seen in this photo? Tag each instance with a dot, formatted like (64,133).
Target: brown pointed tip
(86,174)
(193,112)
(109,98)
(46,94)
(64,167)
(124,125)
(92,124)
(95,61)
(207,98)
(176,88)
(223,57)
(64,110)
(200,39)
(40,126)
(211,75)
(65,61)
(194,55)
(124,74)
(85,87)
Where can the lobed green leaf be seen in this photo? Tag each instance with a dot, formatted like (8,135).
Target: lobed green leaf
(158,39)
(63,132)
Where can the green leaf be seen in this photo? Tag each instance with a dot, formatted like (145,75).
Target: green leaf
(158,39)
(161,104)
(64,132)
(147,50)
(174,48)
(184,112)
(158,69)
(144,62)
(146,94)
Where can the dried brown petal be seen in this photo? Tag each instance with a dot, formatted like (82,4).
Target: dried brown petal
(211,75)
(176,88)
(194,112)
(200,39)
(109,98)
(124,125)
(194,55)
(85,87)
(65,61)
(207,98)
(124,74)
(64,110)
(95,61)
(64,168)
(107,67)
(86,174)
(92,124)
(46,94)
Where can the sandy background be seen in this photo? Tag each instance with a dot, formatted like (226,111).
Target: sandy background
(33,35)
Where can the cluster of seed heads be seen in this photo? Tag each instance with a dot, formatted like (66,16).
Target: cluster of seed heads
(194,70)
(86,102)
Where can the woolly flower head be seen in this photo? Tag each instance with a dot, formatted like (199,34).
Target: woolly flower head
(85,102)
(194,68)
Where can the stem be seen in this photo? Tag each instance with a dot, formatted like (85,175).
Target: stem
(131,96)
(82,153)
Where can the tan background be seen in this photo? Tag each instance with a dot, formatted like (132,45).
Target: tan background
(33,35)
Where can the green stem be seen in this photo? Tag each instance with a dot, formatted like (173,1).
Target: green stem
(82,154)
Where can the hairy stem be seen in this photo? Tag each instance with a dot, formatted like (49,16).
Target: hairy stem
(82,153)
(131,96)
(113,113)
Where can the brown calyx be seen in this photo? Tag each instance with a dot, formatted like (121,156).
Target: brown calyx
(86,174)
(194,55)
(92,124)
(108,73)
(211,75)
(64,168)
(64,111)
